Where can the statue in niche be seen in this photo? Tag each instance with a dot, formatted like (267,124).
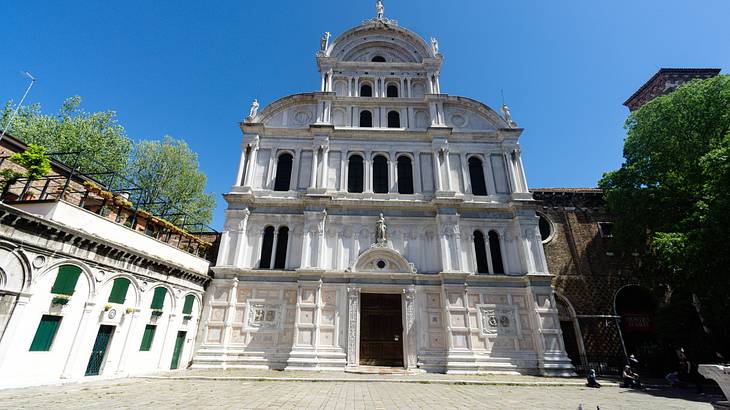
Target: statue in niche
(380,229)
(254,110)
(380,10)
(434,45)
(324,41)
(507,116)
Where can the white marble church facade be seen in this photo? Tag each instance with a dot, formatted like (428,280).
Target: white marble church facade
(304,272)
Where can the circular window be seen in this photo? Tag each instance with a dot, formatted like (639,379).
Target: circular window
(458,120)
(381,264)
(546,228)
(302,117)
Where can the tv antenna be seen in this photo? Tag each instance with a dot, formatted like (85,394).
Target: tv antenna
(15,112)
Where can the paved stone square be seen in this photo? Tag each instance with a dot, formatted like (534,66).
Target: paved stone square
(140,393)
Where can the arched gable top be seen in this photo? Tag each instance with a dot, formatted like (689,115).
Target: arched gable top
(381,259)
(301,111)
(395,44)
(470,114)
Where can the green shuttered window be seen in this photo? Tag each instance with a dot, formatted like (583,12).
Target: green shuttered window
(188,306)
(45,334)
(66,279)
(158,301)
(119,290)
(147,338)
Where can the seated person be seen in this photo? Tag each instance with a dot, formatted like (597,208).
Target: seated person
(631,379)
(592,379)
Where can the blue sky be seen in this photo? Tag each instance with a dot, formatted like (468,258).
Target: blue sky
(191,68)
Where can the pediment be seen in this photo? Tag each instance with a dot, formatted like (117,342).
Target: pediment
(380,258)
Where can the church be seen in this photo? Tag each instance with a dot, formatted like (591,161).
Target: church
(381,222)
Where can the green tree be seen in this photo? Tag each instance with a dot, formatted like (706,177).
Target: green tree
(671,196)
(168,172)
(34,160)
(102,141)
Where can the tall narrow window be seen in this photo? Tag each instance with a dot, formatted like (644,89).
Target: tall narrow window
(119,290)
(267,247)
(495,252)
(147,338)
(392,91)
(158,300)
(366,90)
(393,119)
(366,119)
(480,250)
(281,243)
(66,279)
(405,175)
(355,174)
(476,174)
(46,332)
(188,306)
(380,174)
(283,173)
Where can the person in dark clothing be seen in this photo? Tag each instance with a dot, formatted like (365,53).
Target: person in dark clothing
(591,379)
(631,379)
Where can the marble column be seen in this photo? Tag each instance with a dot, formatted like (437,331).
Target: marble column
(411,335)
(353,327)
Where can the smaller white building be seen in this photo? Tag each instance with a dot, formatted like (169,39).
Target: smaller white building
(82,296)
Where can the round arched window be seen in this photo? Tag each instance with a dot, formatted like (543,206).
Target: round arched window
(546,227)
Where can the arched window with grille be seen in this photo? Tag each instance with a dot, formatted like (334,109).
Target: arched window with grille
(476,175)
(495,251)
(266,248)
(283,172)
(282,240)
(380,174)
(405,175)
(355,174)
(366,90)
(480,250)
(393,119)
(366,118)
(392,91)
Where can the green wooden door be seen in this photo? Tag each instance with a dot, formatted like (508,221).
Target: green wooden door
(178,348)
(99,350)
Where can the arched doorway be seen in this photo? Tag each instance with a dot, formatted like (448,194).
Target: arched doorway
(572,336)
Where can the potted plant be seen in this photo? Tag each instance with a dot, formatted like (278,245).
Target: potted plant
(60,299)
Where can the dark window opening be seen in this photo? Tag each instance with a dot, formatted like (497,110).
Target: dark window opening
(378,59)
(495,252)
(380,175)
(480,250)
(283,173)
(392,91)
(266,248)
(366,119)
(366,90)
(476,175)
(606,229)
(393,119)
(545,227)
(355,174)
(281,243)
(405,175)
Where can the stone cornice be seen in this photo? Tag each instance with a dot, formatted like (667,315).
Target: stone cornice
(21,227)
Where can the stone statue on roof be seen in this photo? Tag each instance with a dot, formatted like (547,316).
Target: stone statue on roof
(324,41)
(380,10)
(508,116)
(434,45)
(253,111)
